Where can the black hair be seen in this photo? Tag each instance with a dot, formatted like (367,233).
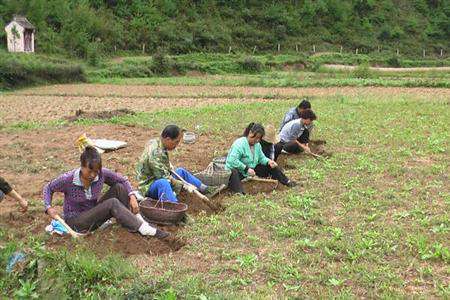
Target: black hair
(254,128)
(308,114)
(91,158)
(305,104)
(171,132)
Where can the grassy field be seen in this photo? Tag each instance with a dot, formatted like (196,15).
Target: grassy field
(371,221)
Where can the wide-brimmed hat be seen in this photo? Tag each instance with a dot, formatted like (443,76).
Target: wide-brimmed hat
(270,136)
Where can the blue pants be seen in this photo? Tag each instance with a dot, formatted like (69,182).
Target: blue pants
(162,189)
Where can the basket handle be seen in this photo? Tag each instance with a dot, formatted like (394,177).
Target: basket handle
(210,169)
(159,201)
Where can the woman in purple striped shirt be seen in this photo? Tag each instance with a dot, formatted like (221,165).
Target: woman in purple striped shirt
(84,209)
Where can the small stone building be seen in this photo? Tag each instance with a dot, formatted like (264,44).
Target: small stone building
(20,35)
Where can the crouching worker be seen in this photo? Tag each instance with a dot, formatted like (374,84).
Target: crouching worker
(294,136)
(85,210)
(155,174)
(7,190)
(246,158)
(294,113)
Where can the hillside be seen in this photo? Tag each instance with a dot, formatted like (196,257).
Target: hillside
(86,28)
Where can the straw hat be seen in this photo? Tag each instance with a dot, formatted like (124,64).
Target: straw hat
(270,135)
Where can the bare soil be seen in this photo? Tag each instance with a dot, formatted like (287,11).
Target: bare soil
(100,115)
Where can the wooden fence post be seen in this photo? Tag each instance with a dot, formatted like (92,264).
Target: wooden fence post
(143,48)
(278,47)
(254,50)
(229,50)
(356,51)
(314,48)
(442,52)
(296,48)
(341,50)
(398,52)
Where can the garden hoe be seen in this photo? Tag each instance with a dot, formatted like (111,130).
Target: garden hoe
(202,197)
(73,233)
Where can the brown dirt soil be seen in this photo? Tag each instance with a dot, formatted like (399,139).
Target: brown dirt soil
(40,155)
(110,90)
(51,108)
(100,115)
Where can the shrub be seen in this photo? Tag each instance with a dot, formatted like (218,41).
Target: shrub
(93,54)
(362,71)
(161,63)
(251,65)
(393,62)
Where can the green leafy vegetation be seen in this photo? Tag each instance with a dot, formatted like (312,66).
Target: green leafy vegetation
(90,28)
(21,70)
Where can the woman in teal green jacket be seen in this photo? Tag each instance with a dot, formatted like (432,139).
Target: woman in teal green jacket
(246,158)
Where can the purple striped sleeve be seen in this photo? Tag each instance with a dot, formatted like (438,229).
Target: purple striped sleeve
(56,185)
(111,178)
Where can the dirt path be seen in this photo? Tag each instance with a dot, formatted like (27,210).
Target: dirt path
(386,69)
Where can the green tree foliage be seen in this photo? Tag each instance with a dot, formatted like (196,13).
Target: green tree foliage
(183,26)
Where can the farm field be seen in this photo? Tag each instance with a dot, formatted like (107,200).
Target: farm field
(370,221)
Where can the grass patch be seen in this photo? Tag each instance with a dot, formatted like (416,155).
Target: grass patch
(281,80)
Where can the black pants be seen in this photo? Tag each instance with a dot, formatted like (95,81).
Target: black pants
(235,184)
(4,186)
(292,147)
(114,203)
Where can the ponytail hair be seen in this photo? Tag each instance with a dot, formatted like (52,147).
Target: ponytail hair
(91,158)
(254,128)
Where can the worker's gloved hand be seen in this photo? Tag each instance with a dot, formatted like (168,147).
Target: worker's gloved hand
(189,187)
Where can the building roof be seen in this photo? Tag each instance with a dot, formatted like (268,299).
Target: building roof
(22,21)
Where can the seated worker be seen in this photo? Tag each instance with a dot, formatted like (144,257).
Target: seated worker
(246,158)
(154,171)
(7,190)
(294,114)
(294,137)
(85,210)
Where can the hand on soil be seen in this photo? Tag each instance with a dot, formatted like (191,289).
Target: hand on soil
(23,205)
(52,212)
(251,172)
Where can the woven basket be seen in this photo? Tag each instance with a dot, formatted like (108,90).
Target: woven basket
(215,174)
(162,212)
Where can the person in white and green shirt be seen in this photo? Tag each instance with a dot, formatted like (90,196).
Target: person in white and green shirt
(294,136)
(246,158)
